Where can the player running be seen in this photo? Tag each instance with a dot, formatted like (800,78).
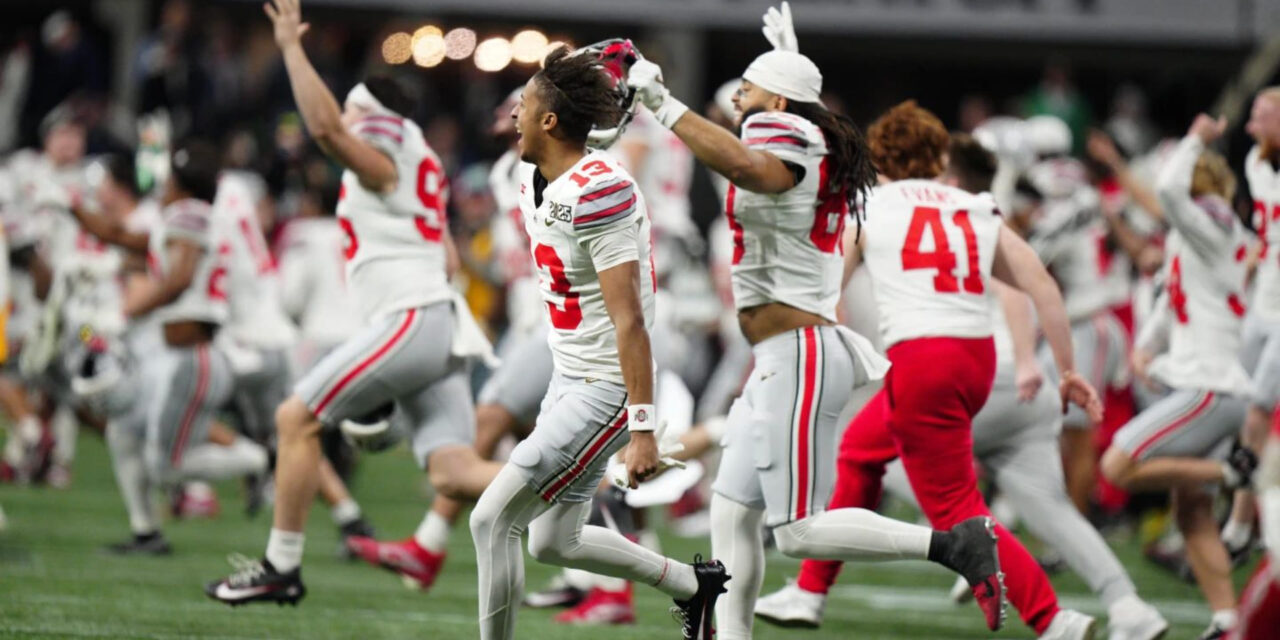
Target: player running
(412,354)
(590,235)
(794,174)
(1015,436)
(1178,443)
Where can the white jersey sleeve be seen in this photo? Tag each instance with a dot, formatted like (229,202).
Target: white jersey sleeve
(205,300)
(395,240)
(1264,185)
(787,246)
(929,248)
(588,220)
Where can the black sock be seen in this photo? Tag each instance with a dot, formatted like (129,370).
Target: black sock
(940,547)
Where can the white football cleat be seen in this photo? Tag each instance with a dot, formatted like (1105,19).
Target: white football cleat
(1134,619)
(792,606)
(961,593)
(1070,625)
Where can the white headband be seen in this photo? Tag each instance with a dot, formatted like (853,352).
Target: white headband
(786,73)
(360,96)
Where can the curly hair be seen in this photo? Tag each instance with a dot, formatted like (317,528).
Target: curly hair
(579,92)
(908,141)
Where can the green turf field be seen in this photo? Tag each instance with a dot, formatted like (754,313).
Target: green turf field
(55,583)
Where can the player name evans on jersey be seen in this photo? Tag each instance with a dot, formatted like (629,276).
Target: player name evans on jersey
(930,248)
(787,246)
(587,220)
(395,240)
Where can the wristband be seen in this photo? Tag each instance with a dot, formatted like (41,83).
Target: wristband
(670,111)
(641,417)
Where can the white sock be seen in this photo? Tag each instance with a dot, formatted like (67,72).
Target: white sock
(66,428)
(284,549)
(131,476)
(29,429)
(345,512)
(1225,618)
(853,534)
(736,540)
(579,579)
(1236,534)
(1230,476)
(210,461)
(432,533)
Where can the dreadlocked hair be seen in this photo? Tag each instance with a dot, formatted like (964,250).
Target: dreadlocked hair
(580,93)
(851,171)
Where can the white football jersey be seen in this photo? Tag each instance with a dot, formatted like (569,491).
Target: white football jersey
(1205,264)
(313,279)
(929,248)
(787,247)
(205,300)
(511,247)
(1070,238)
(1264,185)
(588,220)
(395,241)
(40,190)
(253,286)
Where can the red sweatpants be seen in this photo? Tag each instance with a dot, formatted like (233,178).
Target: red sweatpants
(1259,606)
(924,415)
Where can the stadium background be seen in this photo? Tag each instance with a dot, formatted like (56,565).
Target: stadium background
(1140,68)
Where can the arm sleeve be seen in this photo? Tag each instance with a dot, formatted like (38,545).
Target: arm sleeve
(1207,232)
(384,133)
(777,135)
(191,224)
(604,221)
(1154,336)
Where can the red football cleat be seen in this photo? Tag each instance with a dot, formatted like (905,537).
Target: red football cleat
(418,566)
(195,500)
(602,607)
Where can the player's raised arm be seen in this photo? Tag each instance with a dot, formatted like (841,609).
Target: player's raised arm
(319,108)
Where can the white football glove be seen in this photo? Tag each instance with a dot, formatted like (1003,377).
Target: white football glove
(778,29)
(646,78)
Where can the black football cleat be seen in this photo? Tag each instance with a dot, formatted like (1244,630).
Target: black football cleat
(558,594)
(697,614)
(1244,461)
(151,544)
(257,581)
(973,555)
(356,528)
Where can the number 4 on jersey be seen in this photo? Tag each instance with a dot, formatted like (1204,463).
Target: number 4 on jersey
(941,258)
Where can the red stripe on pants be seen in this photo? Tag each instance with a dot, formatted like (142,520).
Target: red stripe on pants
(802,426)
(582,463)
(193,407)
(1175,425)
(351,375)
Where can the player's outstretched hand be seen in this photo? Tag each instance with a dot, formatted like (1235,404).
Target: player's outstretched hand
(1076,390)
(1207,128)
(1102,149)
(646,78)
(641,457)
(778,29)
(1028,377)
(286,18)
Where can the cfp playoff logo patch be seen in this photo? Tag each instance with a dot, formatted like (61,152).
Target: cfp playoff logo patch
(561,212)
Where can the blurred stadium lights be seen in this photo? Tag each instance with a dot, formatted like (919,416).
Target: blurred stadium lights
(397,48)
(459,43)
(493,54)
(428,46)
(529,46)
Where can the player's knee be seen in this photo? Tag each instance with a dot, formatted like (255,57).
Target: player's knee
(294,420)
(548,548)
(483,521)
(790,539)
(1117,467)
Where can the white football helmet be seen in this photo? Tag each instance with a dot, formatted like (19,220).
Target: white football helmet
(375,431)
(1047,135)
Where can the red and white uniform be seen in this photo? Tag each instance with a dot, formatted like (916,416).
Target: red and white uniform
(257,317)
(206,299)
(511,246)
(577,229)
(313,286)
(929,250)
(1261,345)
(664,176)
(395,241)
(787,246)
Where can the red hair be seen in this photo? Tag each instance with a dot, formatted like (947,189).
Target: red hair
(908,141)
